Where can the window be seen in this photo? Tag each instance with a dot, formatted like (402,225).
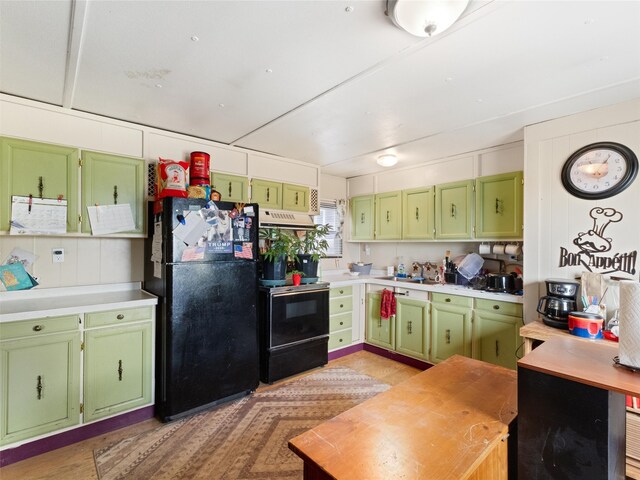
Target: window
(333,214)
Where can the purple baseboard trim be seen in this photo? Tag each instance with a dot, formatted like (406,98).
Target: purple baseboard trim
(412,362)
(345,351)
(37,447)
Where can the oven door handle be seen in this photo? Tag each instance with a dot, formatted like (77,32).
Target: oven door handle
(301,292)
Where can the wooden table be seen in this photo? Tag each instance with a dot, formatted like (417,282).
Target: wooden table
(537,330)
(448,422)
(571,410)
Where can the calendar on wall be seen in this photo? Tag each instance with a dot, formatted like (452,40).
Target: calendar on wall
(43,216)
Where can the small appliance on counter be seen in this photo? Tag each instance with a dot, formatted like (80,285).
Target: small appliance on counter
(559,301)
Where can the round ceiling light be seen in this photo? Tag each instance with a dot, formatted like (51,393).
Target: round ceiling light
(425,18)
(387,160)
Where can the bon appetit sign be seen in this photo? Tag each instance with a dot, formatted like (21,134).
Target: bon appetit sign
(595,250)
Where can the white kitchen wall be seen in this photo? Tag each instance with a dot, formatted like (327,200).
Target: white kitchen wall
(553,217)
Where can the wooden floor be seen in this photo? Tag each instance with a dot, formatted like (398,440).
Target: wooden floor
(76,461)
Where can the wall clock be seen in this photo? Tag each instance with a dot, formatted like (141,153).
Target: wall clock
(599,170)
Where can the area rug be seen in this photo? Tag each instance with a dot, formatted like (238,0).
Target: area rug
(244,439)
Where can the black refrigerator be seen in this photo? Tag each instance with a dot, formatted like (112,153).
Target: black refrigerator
(201,262)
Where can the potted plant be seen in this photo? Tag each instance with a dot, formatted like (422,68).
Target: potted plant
(277,247)
(296,277)
(309,248)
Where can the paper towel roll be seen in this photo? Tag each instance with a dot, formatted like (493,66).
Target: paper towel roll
(512,249)
(484,249)
(630,323)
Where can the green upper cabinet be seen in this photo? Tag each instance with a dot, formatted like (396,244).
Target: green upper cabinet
(266,194)
(110,179)
(362,209)
(499,206)
(418,214)
(389,216)
(295,198)
(38,169)
(380,331)
(412,328)
(454,210)
(232,188)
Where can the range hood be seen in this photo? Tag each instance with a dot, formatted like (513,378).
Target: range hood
(289,220)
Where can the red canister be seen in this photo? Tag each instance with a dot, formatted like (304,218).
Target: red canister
(199,168)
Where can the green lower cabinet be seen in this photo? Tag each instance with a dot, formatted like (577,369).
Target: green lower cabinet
(340,317)
(117,369)
(109,180)
(340,339)
(451,330)
(380,331)
(496,337)
(412,328)
(39,385)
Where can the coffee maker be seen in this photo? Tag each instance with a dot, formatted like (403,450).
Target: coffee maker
(559,301)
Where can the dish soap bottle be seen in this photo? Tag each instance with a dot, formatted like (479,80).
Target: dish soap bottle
(401,271)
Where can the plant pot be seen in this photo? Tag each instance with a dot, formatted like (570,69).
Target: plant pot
(296,278)
(276,269)
(307,265)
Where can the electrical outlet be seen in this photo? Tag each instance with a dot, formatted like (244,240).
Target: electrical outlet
(57,255)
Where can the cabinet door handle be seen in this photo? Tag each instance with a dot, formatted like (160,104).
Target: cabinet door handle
(341,292)
(296,198)
(409,327)
(453,210)
(448,336)
(499,206)
(417,214)
(229,189)
(340,340)
(267,194)
(341,323)
(120,316)
(341,305)
(39,387)
(38,328)
(387,216)
(362,217)
(448,300)
(496,307)
(120,370)
(379,322)
(115,194)
(40,186)
(497,348)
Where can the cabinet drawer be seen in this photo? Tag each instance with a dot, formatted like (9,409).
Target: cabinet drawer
(38,326)
(340,321)
(452,299)
(111,317)
(504,308)
(340,339)
(340,291)
(340,305)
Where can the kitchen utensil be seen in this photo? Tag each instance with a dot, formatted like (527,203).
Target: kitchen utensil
(484,249)
(501,282)
(512,249)
(498,249)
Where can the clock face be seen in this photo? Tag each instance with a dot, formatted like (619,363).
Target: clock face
(599,170)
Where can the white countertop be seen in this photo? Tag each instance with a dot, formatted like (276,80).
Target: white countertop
(342,278)
(53,302)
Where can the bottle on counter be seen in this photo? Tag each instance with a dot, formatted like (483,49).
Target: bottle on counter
(401,270)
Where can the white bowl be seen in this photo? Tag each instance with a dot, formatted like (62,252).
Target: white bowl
(354,274)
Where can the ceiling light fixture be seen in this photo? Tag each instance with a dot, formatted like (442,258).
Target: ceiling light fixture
(425,18)
(387,160)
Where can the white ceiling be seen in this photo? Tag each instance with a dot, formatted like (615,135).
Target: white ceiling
(309,80)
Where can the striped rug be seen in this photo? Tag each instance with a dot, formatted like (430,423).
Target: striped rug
(244,439)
